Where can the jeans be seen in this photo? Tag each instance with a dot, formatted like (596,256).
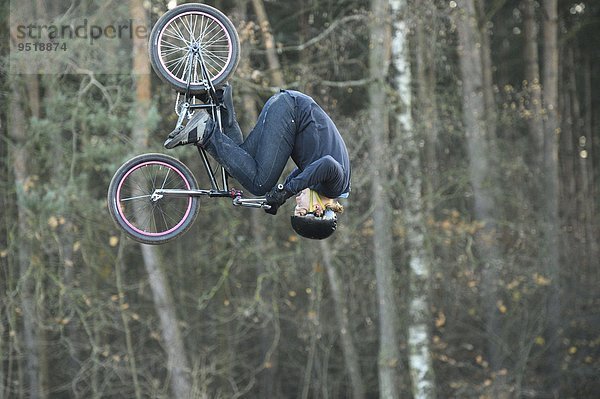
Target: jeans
(257,162)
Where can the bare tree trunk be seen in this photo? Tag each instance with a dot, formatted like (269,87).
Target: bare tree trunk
(21,158)
(389,351)
(62,176)
(588,159)
(551,221)
(7,283)
(268,340)
(479,172)
(420,362)
(177,363)
(33,99)
(351,357)
(486,64)
(567,165)
(532,78)
(125,321)
(427,121)
(580,198)
(265,28)
(36,369)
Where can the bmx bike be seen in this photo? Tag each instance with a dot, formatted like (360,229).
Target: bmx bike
(154,197)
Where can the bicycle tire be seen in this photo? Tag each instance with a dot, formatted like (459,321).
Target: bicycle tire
(212,31)
(132,208)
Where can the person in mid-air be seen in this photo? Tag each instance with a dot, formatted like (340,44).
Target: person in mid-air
(291,124)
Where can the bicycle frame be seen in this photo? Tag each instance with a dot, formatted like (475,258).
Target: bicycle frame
(214,106)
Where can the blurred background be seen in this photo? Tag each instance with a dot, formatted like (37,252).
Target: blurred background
(465,264)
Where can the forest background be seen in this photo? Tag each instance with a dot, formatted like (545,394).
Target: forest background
(464,266)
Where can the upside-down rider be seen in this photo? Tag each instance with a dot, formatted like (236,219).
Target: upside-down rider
(291,124)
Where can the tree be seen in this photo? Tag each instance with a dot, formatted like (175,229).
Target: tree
(177,362)
(425,37)
(420,362)
(269,42)
(351,358)
(513,282)
(551,221)
(268,340)
(532,77)
(480,155)
(20,156)
(389,352)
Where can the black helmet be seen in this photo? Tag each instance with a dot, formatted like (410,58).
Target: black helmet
(314,227)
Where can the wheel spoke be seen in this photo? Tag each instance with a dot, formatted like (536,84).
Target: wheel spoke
(162,213)
(203,25)
(182,63)
(216,58)
(142,216)
(169,52)
(187,23)
(216,68)
(135,198)
(195,24)
(180,33)
(165,180)
(176,61)
(189,29)
(154,217)
(218,35)
(206,33)
(175,35)
(137,188)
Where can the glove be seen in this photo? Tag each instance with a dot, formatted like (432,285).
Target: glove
(276,197)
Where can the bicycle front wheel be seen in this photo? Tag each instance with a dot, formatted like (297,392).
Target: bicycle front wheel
(139,211)
(191,28)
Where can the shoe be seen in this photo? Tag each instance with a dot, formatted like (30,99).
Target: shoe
(227,98)
(191,133)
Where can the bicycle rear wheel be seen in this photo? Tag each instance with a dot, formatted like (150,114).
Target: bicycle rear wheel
(192,27)
(143,215)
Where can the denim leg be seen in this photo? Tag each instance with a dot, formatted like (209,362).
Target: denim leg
(258,162)
(232,131)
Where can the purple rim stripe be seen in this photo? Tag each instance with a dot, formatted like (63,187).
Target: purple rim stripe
(131,226)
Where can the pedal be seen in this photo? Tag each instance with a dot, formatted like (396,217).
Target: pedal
(236,193)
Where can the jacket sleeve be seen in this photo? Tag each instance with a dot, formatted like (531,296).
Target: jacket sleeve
(323,170)
(291,176)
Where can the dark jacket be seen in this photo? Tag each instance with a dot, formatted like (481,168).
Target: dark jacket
(319,152)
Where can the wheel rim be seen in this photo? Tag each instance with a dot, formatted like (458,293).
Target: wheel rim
(136,208)
(194,30)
